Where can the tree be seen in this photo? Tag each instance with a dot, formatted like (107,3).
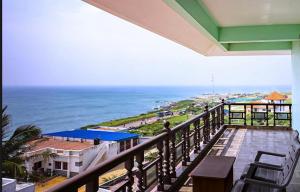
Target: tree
(14,145)
(46,155)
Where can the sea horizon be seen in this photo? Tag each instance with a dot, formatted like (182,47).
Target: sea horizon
(58,108)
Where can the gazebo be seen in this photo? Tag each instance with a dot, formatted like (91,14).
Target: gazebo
(276,97)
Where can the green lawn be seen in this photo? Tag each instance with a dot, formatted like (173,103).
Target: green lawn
(123,121)
(156,128)
(183,104)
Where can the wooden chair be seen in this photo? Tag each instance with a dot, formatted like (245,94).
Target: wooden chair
(282,174)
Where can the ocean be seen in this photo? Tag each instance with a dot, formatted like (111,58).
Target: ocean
(66,108)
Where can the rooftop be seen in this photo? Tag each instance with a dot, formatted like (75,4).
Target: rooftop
(59,144)
(275,96)
(95,134)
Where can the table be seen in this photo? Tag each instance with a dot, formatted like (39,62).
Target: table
(213,174)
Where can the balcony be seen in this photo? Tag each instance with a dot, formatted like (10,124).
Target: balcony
(228,129)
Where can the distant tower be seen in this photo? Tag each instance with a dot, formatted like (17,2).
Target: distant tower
(213,83)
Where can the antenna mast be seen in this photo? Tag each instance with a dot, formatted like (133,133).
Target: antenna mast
(213,83)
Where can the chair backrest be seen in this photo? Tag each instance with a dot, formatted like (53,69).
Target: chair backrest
(290,162)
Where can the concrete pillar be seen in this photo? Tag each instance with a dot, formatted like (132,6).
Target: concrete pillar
(296,85)
(52,166)
(69,167)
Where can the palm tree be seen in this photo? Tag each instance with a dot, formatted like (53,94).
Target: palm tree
(45,155)
(14,145)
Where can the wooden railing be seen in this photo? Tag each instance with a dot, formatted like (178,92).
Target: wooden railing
(179,150)
(259,114)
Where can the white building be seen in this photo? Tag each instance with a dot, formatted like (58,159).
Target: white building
(67,157)
(71,152)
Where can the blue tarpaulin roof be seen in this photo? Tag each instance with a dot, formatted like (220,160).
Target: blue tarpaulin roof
(89,134)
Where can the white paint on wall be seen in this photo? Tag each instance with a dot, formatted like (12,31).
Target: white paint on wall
(296,85)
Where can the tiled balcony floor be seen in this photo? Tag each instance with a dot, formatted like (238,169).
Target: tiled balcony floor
(266,140)
(244,143)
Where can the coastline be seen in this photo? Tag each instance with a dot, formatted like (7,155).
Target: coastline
(150,124)
(67,108)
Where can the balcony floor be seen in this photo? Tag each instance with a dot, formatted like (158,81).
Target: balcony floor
(267,140)
(244,143)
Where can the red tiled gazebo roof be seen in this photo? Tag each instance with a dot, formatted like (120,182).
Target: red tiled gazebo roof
(276,96)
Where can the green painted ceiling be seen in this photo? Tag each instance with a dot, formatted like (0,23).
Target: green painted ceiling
(237,38)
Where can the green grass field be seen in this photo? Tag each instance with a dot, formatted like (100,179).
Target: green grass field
(123,121)
(157,127)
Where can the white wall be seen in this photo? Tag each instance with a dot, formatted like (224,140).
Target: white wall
(296,85)
(87,156)
(113,149)
(8,185)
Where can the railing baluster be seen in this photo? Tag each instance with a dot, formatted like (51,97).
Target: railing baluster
(274,121)
(160,185)
(140,172)
(130,178)
(245,113)
(93,185)
(173,155)
(206,131)
(229,117)
(188,144)
(218,118)
(267,106)
(222,112)
(200,134)
(184,146)
(213,122)
(167,179)
(252,115)
(290,115)
(197,136)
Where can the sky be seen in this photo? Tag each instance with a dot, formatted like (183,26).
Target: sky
(72,43)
